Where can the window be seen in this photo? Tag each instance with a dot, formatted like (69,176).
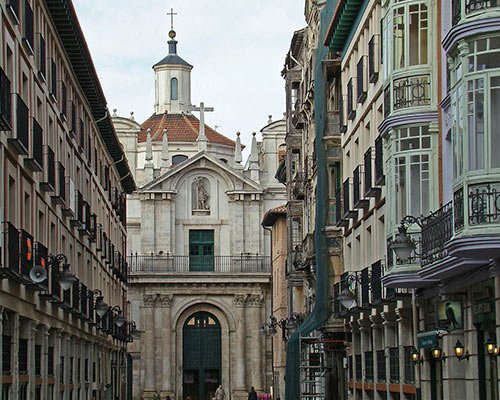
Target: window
(359,366)
(369,366)
(38,359)
(394,364)
(411,170)
(23,356)
(178,159)
(174,89)
(409,365)
(410,35)
(6,355)
(484,54)
(475,123)
(381,374)
(50,361)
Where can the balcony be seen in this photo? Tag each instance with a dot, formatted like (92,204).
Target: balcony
(470,7)
(35,156)
(349,212)
(170,264)
(370,189)
(437,229)
(358,201)
(361,80)
(476,221)
(298,186)
(53,292)
(59,195)
(351,111)
(48,182)
(373,64)
(9,268)
(19,138)
(5,102)
(411,92)
(339,221)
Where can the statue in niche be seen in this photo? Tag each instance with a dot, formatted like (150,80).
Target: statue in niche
(201,195)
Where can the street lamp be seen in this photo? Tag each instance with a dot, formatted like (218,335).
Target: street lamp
(65,278)
(402,244)
(347,298)
(119,319)
(101,307)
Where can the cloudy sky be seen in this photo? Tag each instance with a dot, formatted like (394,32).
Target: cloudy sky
(237,49)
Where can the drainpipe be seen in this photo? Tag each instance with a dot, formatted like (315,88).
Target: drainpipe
(415,340)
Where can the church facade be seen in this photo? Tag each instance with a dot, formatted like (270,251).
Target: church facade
(200,263)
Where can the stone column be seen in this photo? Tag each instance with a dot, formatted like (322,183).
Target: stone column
(240,387)
(157,334)
(148,345)
(165,302)
(254,352)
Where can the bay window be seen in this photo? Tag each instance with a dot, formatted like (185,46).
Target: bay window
(412,171)
(410,35)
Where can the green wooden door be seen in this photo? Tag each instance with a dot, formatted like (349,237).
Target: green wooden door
(201,356)
(201,250)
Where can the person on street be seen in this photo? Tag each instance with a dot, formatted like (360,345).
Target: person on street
(220,394)
(252,395)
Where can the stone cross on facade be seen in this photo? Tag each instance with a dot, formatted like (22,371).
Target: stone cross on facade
(202,139)
(171,13)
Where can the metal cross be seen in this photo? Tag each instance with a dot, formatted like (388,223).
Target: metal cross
(171,13)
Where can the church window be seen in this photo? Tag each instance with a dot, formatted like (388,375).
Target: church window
(177,159)
(174,89)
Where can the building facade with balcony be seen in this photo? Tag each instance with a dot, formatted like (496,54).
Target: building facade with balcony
(377,320)
(199,259)
(457,245)
(63,241)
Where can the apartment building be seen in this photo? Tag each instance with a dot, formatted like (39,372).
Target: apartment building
(63,286)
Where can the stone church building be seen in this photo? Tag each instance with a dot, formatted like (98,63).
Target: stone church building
(200,269)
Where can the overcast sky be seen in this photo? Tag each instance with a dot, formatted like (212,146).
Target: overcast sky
(237,49)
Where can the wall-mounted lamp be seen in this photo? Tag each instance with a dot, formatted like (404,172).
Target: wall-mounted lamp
(65,278)
(100,307)
(415,356)
(491,346)
(402,244)
(119,318)
(459,351)
(437,353)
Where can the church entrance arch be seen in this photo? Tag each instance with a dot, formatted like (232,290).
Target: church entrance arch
(201,356)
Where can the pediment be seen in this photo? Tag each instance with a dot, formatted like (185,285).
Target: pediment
(234,179)
(124,124)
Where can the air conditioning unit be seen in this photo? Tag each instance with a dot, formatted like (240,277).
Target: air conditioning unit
(70,196)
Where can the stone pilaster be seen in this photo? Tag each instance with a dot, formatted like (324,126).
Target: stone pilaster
(240,386)
(254,352)
(148,346)
(157,334)
(164,301)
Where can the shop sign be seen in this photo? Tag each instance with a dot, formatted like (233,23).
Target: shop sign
(427,340)
(449,315)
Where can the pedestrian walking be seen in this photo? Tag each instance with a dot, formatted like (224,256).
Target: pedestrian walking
(220,394)
(252,394)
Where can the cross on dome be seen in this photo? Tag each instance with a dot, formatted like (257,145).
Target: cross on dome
(171,34)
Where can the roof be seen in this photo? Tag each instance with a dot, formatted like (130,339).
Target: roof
(341,24)
(172,59)
(180,128)
(272,215)
(68,28)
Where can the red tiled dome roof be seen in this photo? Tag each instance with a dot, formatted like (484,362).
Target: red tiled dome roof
(180,128)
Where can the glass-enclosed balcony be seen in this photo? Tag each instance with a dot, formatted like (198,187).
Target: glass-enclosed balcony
(471,9)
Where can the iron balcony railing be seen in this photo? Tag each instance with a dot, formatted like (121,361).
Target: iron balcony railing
(372,63)
(437,229)
(244,263)
(387,101)
(379,162)
(456,11)
(477,5)
(458,209)
(411,92)
(5,102)
(484,203)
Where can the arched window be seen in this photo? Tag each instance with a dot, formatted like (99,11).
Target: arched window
(178,159)
(174,89)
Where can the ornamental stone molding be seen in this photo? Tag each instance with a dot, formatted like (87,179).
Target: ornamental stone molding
(255,300)
(164,300)
(148,300)
(240,300)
